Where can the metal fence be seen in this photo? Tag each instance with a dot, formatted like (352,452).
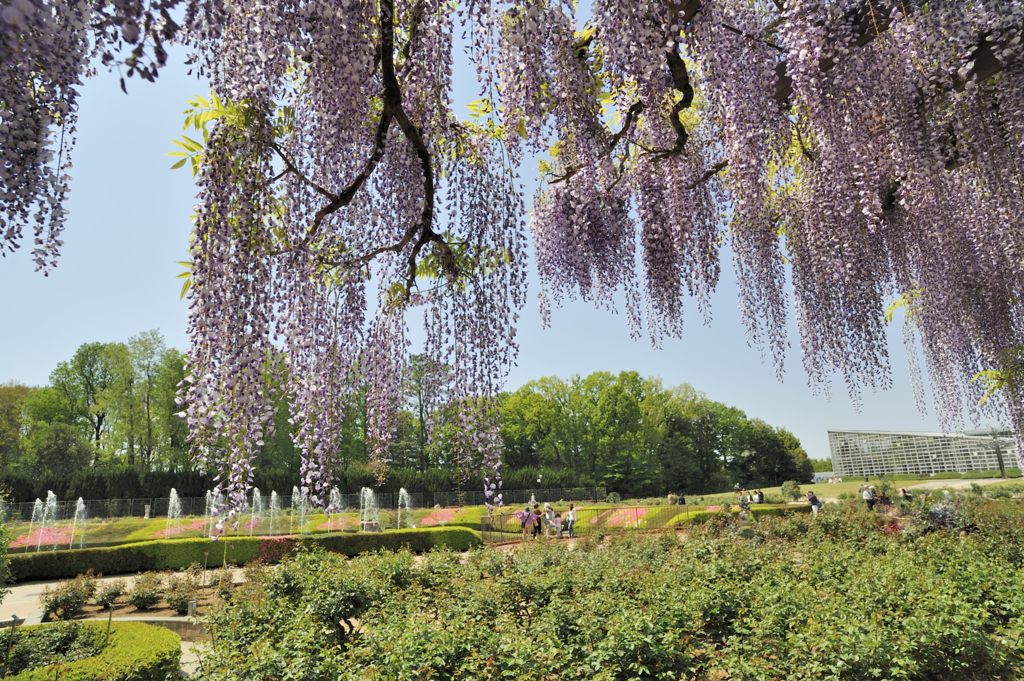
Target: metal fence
(197,506)
(508,525)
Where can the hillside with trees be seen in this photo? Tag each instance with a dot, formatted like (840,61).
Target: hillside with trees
(108,425)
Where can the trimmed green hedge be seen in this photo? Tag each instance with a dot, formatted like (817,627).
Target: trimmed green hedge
(180,553)
(698,517)
(137,652)
(766,511)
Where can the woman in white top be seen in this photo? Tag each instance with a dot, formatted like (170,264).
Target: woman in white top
(570,520)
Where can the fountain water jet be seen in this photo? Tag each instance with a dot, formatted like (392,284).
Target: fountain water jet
(275,506)
(49,515)
(214,502)
(255,509)
(79,516)
(173,509)
(404,501)
(300,502)
(37,516)
(208,513)
(334,506)
(369,511)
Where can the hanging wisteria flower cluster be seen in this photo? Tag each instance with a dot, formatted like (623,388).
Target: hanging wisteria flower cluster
(870,151)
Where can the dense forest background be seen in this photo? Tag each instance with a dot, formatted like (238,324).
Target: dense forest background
(106,426)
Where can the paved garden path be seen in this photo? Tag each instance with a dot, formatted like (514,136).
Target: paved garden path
(23,599)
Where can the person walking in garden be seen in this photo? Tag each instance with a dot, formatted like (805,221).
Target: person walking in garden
(570,521)
(538,521)
(812,498)
(526,521)
(556,525)
(869,497)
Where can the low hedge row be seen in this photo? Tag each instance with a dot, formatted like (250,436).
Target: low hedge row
(180,553)
(703,515)
(136,652)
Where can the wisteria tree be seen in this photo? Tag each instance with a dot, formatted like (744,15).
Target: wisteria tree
(870,150)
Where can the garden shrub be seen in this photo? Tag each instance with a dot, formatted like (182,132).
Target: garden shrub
(135,652)
(758,512)
(146,592)
(68,600)
(181,589)
(790,490)
(39,646)
(175,554)
(787,597)
(223,583)
(108,593)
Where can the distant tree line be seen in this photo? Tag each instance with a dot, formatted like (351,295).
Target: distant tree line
(631,435)
(106,426)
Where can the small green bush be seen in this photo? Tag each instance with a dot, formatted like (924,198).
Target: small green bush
(223,584)
(613,498)
(68,600)
(175,554)
(136,652)
(108,593)
(146,592)
(181,590)
(790,490)
(40,646)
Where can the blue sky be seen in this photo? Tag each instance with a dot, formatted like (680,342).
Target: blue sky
(128,225)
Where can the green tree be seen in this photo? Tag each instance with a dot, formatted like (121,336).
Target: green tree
(172,432)
(146,351)
(89,382)
(12,402)
(57,448)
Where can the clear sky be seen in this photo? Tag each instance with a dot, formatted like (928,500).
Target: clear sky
(128,225)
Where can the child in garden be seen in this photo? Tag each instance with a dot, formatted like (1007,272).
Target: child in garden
(556,525)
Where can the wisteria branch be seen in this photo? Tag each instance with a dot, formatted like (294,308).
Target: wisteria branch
(394,110)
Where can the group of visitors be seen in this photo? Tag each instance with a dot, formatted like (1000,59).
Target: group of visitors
(547,523)
(872,497)
(748,498)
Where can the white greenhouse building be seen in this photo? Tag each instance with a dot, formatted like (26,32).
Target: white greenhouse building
(862,452)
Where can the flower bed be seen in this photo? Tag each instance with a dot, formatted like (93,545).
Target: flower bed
(46,538)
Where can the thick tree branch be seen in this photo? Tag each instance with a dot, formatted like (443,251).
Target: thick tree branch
(393,109)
